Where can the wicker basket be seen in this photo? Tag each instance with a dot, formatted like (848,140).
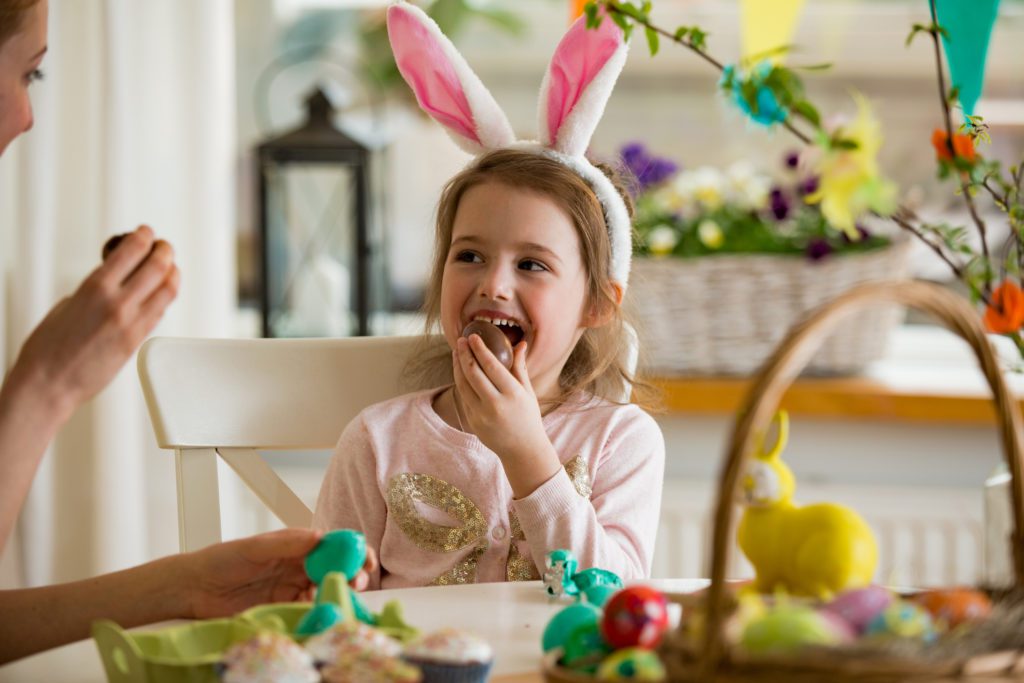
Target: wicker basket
(724,314)
(713,659)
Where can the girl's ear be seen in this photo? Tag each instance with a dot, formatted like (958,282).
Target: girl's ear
(445,87)
(577,85)
(601,312)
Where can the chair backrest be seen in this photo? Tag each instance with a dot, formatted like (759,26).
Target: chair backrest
(232,397)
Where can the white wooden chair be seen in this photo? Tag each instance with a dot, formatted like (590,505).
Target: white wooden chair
(234,397)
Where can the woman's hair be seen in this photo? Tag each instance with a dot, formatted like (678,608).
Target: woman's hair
(599,363)
(12,15)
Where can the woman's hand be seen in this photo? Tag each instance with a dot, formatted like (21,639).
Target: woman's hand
(86,339)
(226,578)
(501,408)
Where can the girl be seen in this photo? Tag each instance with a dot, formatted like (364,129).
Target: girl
(479,480)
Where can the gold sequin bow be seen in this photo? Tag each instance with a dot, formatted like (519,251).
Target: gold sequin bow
(405,490)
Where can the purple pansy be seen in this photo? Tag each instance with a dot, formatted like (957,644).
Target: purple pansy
(818,249)
(648,169)
(808,186)
(778,203)
(792,160)
(861,231)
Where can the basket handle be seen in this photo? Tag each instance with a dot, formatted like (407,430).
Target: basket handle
(778,373)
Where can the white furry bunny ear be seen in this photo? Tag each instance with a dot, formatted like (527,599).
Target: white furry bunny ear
(577,85)
(445,86)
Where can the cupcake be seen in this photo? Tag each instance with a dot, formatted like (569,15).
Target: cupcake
(350,638)
(451,656)
(268,658)
(370,667)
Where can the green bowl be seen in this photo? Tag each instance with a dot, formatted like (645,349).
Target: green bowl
(188,653)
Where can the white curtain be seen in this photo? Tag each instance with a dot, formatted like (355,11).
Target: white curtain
(135,123)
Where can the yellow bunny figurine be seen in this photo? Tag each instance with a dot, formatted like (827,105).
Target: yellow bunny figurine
(814,550)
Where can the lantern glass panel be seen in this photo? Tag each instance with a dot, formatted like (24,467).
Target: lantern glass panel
(310,250)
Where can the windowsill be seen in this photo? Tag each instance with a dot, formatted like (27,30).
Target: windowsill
(929,375)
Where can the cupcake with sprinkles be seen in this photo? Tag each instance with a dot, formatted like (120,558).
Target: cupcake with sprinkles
(268,658)
(350,638)
(451,656)
(370,667)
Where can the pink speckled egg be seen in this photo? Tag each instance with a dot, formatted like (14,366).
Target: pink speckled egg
(859,606)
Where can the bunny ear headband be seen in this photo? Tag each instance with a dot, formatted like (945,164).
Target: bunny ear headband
(573,95)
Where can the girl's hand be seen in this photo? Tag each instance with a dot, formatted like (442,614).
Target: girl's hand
(86,339)
(501,408)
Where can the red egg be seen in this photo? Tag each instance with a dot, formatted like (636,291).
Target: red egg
(635,617)
(955,606)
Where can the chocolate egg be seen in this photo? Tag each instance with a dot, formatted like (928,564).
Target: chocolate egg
(111,244)
(495,340)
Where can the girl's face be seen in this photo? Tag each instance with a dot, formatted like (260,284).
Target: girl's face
(20,57)
(515,258)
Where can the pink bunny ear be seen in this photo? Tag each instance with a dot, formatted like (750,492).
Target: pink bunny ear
(445,86)
(577,84)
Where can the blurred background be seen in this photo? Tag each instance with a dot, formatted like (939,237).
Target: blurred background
(184,114)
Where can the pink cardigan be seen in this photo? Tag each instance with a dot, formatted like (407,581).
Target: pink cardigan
(435,503)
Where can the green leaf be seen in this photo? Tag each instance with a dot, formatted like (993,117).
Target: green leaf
(623,23)
(844,143)
(652,40)
(593,17)
(681,32)
(807,110)
(698,38)
(633,11)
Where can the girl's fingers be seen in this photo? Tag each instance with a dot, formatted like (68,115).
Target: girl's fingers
(475,374)
(519,370)
(492,368)
(466,391)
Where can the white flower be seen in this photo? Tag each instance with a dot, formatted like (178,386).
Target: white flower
(710,235)
(705,186)
(662,240)
(747,187)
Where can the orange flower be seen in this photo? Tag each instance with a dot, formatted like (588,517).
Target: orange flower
(963,146)
(1005,313)
(576,8)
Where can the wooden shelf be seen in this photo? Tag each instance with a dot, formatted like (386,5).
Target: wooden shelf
(855,398)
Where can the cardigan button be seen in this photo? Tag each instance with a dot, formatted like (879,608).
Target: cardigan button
(498,533)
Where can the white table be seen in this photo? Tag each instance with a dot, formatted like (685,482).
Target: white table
(511,616)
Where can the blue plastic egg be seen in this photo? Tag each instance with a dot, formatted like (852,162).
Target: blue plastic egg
(341,550)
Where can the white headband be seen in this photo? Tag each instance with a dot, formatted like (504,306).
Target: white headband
(576,87)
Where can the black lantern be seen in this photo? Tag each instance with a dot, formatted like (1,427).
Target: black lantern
(316,257)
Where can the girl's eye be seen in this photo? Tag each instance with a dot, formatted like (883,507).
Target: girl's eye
(34,75)
(530,264)
(467,257)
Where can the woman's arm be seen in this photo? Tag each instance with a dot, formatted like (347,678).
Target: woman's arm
(220,580)
(74,352)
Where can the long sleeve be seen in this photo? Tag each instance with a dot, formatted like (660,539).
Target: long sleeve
(615,528)
(350,496)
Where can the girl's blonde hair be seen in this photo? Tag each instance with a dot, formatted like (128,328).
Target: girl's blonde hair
(12,15)
(598,364)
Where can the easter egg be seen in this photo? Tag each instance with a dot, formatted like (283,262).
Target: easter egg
(859,606)
(567,620)
(598,595)
(319,618)
(902,619)
(585,648)
(955,606)
(631,664)
(341,550)
(635,617)
(785,628)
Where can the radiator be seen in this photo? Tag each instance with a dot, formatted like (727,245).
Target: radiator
(926,536)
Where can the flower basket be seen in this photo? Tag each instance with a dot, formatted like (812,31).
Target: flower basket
(997,648)
(724,314)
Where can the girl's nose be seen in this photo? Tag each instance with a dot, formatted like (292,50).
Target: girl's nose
(496,283)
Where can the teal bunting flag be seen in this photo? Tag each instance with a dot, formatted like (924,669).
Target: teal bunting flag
(969,25)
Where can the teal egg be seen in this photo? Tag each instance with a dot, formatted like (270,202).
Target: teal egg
(585,648)
(341,550)
(598,595)
(631,664)
(596,577)
(786,628)
(319,618)
(567,620)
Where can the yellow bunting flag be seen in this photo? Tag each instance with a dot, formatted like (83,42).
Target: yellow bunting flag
(766,25)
